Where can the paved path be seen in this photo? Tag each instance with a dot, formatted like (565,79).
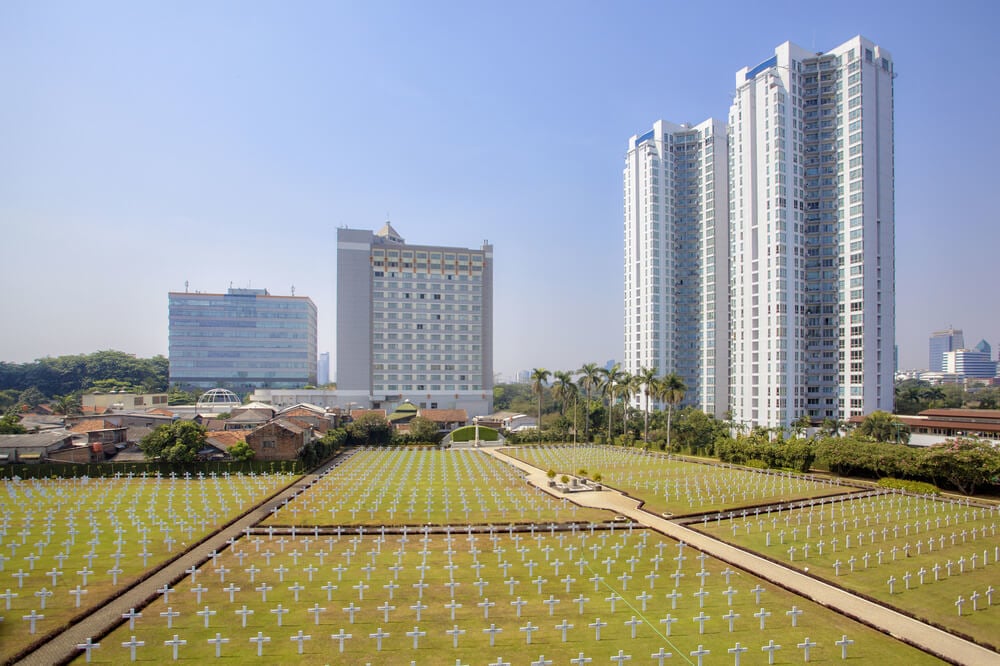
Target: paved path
(61,648)
(924,636)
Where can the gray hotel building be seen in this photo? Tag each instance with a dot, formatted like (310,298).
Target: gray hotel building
(414,322)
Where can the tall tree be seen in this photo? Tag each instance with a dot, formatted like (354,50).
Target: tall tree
(672,390)
(611,379)
(539,377)
(647,377)
(589,379)
(631,386)
(562,389)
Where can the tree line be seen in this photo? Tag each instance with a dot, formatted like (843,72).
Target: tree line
(62,379)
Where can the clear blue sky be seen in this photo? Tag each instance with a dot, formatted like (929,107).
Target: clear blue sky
(145,144)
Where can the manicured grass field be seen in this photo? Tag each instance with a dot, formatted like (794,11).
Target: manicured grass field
(418,486)
(908,534)
(676,486)
(416,590)
(60,535)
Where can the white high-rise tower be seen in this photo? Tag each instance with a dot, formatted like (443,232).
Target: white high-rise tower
(812,291)
(676,263)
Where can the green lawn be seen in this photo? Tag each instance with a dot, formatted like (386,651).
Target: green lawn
(678,487)
(55,524)
(418,486)
(378,563)
(904,521)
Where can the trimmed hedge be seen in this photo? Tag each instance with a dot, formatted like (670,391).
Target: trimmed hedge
(909,486)
(69,470)
(468,434)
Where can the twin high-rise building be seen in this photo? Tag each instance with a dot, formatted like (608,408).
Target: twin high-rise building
(795,269)
(676,258)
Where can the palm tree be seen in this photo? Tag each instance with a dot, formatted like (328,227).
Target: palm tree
(589,379)
(539,377)
(609,387)
(647,377)
(562,388)
(631,386)
(673,389)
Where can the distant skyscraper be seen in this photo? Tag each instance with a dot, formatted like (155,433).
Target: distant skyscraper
(413,320)
(323,369)
(676,258)
(984,347)
(241,340)
(811,235)
(950,339)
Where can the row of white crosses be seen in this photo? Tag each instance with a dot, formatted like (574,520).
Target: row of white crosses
(406,564)
(260,640)
(645,472)
(974,599)
(401,485)
(124,521)
(927,533)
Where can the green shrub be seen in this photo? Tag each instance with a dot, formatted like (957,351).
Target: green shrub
(909,486)
(468,434)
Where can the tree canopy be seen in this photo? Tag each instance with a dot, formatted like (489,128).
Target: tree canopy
(63,375)
(176,442)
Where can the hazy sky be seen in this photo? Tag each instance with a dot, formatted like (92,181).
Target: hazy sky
(148,144)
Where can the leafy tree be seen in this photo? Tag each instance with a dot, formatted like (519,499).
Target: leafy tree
(178,397)
(31,397)
(882,426)
(965,462)
(423,430)
(539,376)
(241,451)
(370,429)
(176,442)
(10,425)
(66,404)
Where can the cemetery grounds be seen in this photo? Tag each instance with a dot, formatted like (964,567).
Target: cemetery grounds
(68,544)
(423,556)
(934,558)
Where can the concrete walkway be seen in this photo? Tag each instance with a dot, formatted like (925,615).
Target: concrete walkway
(61,648)
(930,639)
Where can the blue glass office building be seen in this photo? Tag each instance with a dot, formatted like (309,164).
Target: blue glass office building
(242,340)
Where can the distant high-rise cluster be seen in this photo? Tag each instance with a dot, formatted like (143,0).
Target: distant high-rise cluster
(948,355)
(759,254)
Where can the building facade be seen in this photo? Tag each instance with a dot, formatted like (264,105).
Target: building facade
(812,258)
(414,322)
(941,342)
(970,363)
(242,340)
(676,258)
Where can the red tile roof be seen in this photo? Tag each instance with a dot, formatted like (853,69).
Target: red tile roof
(224,439)
(445,415)
(92,425)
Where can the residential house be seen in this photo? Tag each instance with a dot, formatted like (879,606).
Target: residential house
(279,440)
(33,447)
